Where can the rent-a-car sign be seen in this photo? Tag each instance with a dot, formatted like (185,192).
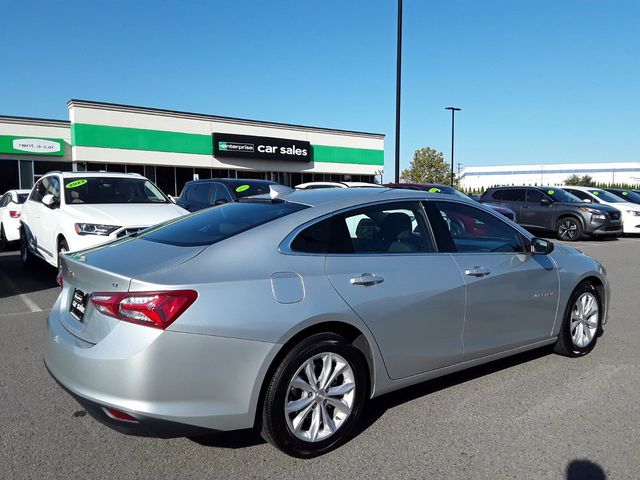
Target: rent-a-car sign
(266,148)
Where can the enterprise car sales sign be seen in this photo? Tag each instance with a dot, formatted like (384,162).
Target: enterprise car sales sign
(266,148)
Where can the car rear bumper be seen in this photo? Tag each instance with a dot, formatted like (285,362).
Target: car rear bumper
(11,228)
(172,383)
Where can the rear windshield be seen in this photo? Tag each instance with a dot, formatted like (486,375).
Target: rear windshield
(219,223)
(22,197)
(111,190)
(247,188)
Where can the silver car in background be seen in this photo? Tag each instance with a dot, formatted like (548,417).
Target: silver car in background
(288,313)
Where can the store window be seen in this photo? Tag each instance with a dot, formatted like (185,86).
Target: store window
(183,175)
(135,169)
(221,173)
(203,173)
(150,172)
(166,180)
(9,177)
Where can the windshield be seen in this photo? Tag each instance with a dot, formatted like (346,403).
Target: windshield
(90,190)
(606,196)
(628,195)
(246,188)
(215,224)
(559,195)
(22,197)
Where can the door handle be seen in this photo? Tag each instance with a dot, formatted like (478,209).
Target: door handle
(367,279)
(477,272)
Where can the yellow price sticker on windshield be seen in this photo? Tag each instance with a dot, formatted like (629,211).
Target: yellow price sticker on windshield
(434,190)
(551,192)
(625,193)
(242,188)
(76,183)
(596,192)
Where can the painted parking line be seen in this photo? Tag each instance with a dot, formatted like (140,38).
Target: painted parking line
(30,304)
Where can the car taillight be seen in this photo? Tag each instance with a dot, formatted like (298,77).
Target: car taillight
(14,213)
(153,309)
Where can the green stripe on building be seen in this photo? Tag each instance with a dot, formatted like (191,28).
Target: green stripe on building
(103,136)
(361,156)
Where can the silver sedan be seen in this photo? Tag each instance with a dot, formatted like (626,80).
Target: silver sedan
(286,313)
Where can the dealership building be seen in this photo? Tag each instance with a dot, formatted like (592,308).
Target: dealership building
(171,148)
(480,178)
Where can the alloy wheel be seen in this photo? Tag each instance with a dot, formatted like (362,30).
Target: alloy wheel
(584,319)
(320,397)
(568,229)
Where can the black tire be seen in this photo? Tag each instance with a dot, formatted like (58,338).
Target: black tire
(3,238)
(62,247)
(565,344)
(275,428)
(569,229)
(26,257)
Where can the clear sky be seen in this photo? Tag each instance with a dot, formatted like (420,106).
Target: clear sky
(538,81)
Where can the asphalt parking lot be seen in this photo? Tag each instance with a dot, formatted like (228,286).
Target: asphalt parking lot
(537,415)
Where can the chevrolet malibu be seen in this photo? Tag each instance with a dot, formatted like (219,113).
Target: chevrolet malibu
(287,313)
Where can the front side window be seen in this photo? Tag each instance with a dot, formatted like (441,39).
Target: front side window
(534,196)
(96,190)
(580,195)
(40,190)
(22,197)
(212,225)
(476,231)
(54,188)
(202,193)
(4,200)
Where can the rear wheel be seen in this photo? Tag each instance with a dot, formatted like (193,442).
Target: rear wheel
(569,229)
(3,238)
(582,322)
(315,396)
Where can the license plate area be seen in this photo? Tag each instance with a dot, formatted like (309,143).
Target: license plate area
(78,304)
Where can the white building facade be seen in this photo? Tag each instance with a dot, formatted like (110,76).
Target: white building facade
(480,178)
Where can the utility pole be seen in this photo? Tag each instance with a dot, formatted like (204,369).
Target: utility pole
(398,87)
(453,128)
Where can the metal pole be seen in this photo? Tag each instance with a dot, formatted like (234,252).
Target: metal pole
(453,120)
(398,85)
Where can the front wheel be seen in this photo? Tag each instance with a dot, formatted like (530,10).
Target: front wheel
(569,229)
(26,257)
(581,323)
(315,396)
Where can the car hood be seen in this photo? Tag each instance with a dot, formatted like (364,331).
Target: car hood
(499,208)
(595,206)
(126,215)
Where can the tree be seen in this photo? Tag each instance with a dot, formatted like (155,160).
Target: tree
(580,181)
(427,166)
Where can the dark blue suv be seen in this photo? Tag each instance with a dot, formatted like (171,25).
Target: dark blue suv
(199,194)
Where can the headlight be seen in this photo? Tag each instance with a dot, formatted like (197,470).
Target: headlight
(95,229)
(635,213)
(593,211)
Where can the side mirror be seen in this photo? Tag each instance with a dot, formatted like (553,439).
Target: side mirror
(541,246)
(588,200)
(545,201)
(49,201)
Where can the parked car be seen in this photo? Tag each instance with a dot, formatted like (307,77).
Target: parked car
(554,209)
(199,194)
(315,185)
(70,211)
(10,210)
(630,211)
(449,190)
(626,195)
(358,292)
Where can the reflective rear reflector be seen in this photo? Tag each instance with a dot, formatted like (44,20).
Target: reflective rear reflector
(118,415)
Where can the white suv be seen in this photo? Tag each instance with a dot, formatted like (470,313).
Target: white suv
(73,211)
(630,211)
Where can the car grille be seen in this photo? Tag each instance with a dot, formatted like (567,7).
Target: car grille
(611,229)
(128,231)
(615,215)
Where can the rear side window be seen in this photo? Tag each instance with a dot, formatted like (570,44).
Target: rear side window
(22,197)
(202,193)
(509,195)
(381,229)
(213,225)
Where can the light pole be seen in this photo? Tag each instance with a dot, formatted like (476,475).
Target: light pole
(453,123)
(398,85)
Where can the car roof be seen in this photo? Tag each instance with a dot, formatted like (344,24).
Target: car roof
(235,180)
(340,184)
(16,191)
(94,174)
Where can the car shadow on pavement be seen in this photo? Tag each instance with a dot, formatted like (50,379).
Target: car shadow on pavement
(234,439)
(16,279)
(376,407)
(585,470)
